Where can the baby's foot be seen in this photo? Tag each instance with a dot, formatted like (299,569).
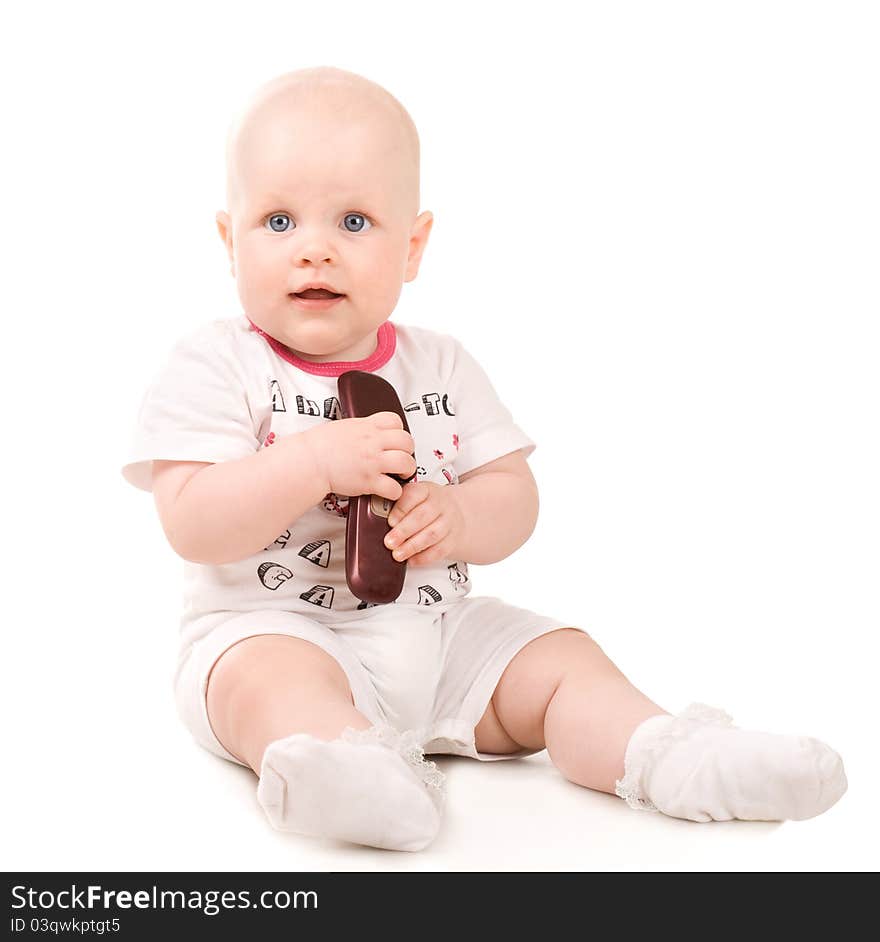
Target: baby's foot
(697,765)
(369,786)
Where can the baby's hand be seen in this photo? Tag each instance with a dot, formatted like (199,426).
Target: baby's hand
(357,456)
(427,523)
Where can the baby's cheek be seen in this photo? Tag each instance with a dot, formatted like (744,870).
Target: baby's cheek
(385,293)
(382,278)
(266,270)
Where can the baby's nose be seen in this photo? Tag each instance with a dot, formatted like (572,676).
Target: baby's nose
(314,247)
(312,258)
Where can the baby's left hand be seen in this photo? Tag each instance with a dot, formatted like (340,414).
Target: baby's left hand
(426,522)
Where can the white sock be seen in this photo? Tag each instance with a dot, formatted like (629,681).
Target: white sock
(697,765)
(369,786)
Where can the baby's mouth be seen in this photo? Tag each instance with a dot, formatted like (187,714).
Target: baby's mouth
(317,293)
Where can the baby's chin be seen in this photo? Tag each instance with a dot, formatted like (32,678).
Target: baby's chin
(319,340)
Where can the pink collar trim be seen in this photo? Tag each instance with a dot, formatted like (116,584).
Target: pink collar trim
(387,342)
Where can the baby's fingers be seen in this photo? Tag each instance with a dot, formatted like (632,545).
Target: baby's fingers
(426,536)
(399,462)
(385,486)
(413,494)
(441,550)
(385,420)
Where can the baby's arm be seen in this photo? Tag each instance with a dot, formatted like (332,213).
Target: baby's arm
(499,503)
(224,512)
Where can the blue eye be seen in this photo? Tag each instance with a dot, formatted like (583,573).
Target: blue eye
(276,222)
(358,223)
(353,222)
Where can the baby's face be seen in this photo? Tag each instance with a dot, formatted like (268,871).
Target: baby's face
(317,198)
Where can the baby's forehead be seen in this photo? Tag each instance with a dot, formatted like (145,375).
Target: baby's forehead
(346,135)
(291,139)
(300,116)
(335,164)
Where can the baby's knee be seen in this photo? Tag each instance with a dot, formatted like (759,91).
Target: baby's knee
(256,670)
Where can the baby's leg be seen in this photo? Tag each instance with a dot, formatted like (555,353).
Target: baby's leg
(285,707)
(267,687)
(600,731)
(562,692)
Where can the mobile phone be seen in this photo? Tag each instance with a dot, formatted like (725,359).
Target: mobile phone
(371,571)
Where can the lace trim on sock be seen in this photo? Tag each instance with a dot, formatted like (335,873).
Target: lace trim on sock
(629,788)
(407,745)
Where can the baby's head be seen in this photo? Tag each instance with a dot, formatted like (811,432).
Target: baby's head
(323,186)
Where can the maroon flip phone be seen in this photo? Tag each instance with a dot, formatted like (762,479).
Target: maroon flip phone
(372,573)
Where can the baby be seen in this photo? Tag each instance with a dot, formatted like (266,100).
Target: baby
(334,702)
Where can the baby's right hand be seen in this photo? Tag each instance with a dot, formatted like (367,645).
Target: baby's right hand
(355,456)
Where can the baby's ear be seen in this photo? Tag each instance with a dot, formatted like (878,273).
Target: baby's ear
(224,227)
(417,241)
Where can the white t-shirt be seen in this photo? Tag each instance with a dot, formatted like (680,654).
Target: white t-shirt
(227,386)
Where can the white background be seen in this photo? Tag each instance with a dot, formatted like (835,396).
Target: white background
(656,227)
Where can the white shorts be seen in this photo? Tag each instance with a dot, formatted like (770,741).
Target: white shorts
(411,666)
